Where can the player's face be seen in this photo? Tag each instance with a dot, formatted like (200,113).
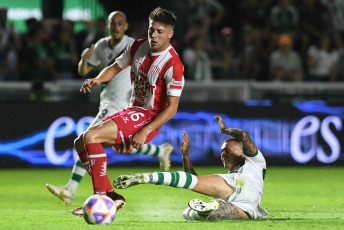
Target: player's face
(229,151)
(159,35)
(117,26)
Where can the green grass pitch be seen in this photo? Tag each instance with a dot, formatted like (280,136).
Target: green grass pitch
(295,197)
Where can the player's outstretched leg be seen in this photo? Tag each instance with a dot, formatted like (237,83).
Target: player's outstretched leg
(66,193)
(175,179)
(162,152)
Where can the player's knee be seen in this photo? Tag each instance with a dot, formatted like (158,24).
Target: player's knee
(91,136)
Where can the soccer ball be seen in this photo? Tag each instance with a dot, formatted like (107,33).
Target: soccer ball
(99,209)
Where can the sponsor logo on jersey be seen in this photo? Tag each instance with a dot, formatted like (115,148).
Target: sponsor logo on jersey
(125,119)
(142,86)
(103,169)
(143,75)
(176,84)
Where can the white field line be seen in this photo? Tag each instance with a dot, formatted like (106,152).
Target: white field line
(305,217)
(47,211)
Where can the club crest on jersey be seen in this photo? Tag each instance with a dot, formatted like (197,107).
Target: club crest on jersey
(138,61)
(108,54)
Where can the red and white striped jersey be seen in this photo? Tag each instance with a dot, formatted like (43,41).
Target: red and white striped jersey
(154,76)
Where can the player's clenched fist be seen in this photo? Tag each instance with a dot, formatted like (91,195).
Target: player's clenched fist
(87,53)
(222,124)
(88,83)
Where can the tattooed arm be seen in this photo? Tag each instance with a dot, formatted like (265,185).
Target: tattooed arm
(248,145)
(188,167)
(227,211)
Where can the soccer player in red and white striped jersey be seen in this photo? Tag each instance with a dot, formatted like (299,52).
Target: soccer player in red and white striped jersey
(157,82)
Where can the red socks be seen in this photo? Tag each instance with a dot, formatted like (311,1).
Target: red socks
(84,160)
(98,163)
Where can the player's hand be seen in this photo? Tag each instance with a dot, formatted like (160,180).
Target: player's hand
(185,144)
(222,124)
(88,52)
(88,83)
(139,139)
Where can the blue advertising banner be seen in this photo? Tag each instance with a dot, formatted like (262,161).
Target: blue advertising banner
(290,134)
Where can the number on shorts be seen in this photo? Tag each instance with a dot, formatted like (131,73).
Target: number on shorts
(135,116)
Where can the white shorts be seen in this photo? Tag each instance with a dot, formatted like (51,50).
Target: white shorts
(246,194)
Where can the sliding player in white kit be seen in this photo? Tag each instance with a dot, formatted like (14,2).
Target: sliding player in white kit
(115,96)
(238,194)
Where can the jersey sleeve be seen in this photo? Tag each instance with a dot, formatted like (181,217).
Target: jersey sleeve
(174,77)
(125,59)
(94,60)
(258,159)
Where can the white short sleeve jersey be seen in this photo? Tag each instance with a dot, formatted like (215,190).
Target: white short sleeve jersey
(248,183)
(116,92)
(255,166)
(154,76)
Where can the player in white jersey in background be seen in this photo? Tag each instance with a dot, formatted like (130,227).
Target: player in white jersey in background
(114,96)
(238,194)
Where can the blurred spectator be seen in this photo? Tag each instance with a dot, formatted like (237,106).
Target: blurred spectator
(248,54)
(206,8)
(340,61)
(10,46)
(82,35)
(195,56)
(4,63)
(253,13)
(64,53)
(285,63)
(322,60)
(336,9)
(38,59)
(284,17)
(98,32)
(210,13)
(226,68)
(314,19)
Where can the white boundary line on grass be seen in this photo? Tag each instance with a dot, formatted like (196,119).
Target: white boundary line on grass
(303,218)
(15,210)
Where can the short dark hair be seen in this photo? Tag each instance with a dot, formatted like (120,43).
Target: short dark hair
(233,139)
(163,16)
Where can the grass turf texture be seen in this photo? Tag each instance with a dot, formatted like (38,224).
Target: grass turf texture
(296,198)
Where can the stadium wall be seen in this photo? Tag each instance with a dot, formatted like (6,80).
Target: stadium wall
(300,133)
